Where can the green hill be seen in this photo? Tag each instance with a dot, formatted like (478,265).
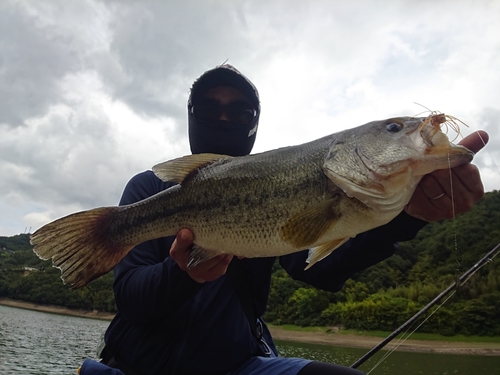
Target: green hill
(387,294)
(25,277)
(380,298)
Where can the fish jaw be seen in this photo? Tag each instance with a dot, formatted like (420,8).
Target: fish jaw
(442,157)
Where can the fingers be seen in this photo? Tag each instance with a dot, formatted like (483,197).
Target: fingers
(475,141)
(428,201)
(211,269)
(206,271)
(438,197)
(179,251)
(443,194)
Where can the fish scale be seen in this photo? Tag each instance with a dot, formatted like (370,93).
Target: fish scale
(311,196)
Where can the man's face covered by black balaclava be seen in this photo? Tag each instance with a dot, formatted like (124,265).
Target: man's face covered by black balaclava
(235,135)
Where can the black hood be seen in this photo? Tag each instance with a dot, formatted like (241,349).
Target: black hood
(222,137)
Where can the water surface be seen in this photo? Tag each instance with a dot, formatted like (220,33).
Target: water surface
(397,363)
(33,342)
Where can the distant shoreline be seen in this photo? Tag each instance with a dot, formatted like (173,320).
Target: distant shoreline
(56,309)
(368,342)
(324,338)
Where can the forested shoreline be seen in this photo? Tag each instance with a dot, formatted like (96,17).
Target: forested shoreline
(380,298)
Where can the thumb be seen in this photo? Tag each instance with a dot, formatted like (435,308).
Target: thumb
(475,141)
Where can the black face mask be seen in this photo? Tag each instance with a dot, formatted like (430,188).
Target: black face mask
(222,137)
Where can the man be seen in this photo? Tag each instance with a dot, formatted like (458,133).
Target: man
(206,320)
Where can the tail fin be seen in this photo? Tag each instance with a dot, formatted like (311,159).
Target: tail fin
(80,245)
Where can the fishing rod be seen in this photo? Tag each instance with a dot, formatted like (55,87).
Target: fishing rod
(487,258)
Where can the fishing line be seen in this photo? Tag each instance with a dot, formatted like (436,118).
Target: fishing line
(404,338)
(452,196)
(488,258)
(452,288)
(489,153)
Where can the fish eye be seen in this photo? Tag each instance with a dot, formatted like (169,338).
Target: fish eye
(394,127)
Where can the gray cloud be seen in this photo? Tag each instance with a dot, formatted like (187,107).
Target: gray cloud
(33,59)
(161,50)
(489,120)
(92,92)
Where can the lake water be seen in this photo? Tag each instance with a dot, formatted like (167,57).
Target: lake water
(398,363)
(33,342)
(38,343)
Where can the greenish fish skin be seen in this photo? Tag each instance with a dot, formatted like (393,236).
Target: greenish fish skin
(315,195)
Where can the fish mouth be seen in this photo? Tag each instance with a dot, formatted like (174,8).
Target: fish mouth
(434,124)
(437,143)
(430,126)
(437,152)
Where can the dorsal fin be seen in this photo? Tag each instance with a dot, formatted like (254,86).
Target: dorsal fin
(177,170)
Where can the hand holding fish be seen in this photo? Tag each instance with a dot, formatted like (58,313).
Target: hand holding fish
(436,198)
(205,271)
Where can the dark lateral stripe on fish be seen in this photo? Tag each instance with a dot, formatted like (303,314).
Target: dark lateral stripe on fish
(217,201)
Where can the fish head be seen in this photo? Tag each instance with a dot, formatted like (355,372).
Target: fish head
(381,163)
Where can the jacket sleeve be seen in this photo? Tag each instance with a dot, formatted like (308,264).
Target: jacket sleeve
(357,254)
(148,283)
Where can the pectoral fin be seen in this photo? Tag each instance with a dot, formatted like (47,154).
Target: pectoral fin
(177,170)
(321,252)
(305,228)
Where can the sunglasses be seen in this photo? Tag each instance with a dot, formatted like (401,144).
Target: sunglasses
(239,112)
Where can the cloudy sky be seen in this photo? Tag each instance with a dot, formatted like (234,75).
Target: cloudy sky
(93,92)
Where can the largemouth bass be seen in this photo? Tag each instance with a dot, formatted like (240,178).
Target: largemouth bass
(312,196)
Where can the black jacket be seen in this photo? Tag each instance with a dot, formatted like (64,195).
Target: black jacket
(167,323)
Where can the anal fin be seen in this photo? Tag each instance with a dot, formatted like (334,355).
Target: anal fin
(199,255)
